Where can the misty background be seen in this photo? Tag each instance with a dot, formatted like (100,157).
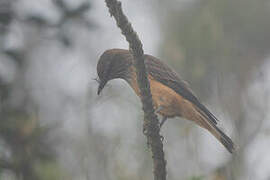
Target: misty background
(54,126)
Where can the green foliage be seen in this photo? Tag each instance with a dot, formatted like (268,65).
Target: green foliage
(27,149)
(228,36)
(27,142)
(50,170)
(196,178)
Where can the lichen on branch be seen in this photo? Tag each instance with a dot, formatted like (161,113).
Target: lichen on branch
(151,125)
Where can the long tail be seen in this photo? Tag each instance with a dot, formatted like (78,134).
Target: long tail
(192,112)
(221,136)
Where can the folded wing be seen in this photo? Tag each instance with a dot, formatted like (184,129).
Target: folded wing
(162,73)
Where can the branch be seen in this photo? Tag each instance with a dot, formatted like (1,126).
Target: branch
(151,126)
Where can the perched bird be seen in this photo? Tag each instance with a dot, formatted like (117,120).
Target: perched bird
(172,96)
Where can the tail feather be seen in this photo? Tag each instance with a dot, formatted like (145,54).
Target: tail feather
(224,139)
(194,113)
(221,136)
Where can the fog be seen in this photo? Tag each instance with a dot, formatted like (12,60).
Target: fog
(55,126)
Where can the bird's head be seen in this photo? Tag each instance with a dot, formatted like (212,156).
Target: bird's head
(112,64)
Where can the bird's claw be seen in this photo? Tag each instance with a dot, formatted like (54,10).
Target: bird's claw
(158,109)
(162,121)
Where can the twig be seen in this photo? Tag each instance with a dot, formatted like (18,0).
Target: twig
(151,126)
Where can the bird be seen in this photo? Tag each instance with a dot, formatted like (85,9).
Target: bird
(171,95)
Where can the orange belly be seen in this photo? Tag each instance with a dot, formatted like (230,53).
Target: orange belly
(169,103)
(164,98)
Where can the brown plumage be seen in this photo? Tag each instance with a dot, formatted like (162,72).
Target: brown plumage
(171,95)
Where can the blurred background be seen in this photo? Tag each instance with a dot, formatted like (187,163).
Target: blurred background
(53,126)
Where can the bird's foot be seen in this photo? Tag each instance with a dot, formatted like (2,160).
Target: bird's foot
(164,118)
(158,109)
(162,121)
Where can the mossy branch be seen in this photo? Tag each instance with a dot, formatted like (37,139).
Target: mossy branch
(151,125)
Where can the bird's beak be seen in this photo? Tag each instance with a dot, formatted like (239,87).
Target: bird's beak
(101,86)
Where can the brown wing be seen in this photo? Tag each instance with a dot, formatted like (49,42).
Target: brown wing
(162,73)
